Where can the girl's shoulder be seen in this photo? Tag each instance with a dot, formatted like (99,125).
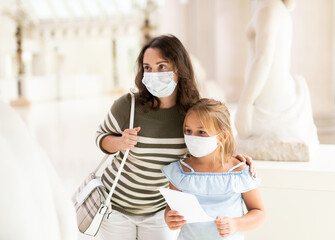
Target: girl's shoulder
(171,168)
(173,172)
(234,162)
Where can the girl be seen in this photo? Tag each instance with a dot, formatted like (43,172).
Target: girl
(167,88)
(219,181)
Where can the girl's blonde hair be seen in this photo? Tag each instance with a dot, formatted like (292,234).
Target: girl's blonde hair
(215,116)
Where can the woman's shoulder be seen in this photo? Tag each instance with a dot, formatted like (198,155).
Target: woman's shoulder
(124,99)
(122,103)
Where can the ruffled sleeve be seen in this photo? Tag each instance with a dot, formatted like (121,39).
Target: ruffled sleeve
(210,183)
(244,182)
(173,173)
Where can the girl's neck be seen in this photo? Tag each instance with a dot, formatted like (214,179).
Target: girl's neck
(209,163)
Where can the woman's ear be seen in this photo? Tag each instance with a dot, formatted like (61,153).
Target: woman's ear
(175,76)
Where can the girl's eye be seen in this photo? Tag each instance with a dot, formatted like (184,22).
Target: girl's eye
(188,131)
(202,132)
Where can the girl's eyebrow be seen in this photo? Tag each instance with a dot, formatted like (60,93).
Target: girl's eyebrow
(201,127)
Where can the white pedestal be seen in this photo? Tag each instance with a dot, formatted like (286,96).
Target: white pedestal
(20,102)
(299,198)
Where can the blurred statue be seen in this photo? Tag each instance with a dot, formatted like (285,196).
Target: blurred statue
(207,87)
(33,203)
(274,117)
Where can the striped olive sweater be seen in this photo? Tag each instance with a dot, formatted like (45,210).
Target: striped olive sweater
(160,142)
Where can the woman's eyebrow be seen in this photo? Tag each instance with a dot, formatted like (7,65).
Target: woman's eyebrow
(164,61)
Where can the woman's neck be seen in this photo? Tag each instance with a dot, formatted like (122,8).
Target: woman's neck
(169,101)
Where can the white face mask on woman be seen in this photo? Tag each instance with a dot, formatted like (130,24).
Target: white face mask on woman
(200,146)
(159,84)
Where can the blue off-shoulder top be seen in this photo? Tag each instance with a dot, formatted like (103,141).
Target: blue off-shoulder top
(219,194)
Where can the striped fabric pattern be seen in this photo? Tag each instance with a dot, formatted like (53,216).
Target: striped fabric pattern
(160,142)
(87,211)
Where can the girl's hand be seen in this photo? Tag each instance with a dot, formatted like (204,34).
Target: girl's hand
(249,161)
(174,220)
(129,138)
(226,226)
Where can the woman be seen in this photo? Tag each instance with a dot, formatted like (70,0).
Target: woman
(167,89)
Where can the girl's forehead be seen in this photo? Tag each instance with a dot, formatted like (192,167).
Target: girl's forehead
(192,116)
(192,120)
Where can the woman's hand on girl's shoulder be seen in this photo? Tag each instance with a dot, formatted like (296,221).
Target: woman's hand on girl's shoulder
(226,226)
(248,160)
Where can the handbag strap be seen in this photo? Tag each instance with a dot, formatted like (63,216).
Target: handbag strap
(105,157)
(131,124)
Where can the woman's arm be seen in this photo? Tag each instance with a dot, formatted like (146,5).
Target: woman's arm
(172,218)
(112,135)
(128,140)
(255,216)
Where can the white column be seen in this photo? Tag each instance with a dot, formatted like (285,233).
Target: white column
(231,18)
(313,57)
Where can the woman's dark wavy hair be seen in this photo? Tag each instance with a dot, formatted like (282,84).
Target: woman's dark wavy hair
(173,50)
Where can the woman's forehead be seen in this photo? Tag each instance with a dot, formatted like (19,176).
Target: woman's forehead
(153,53)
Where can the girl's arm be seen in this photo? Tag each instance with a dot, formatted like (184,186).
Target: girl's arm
(172,218)
(255,216)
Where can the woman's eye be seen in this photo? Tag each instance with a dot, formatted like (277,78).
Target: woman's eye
(202,132)
(162,67)
(147,68)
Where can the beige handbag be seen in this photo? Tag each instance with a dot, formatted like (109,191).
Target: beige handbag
(89,200)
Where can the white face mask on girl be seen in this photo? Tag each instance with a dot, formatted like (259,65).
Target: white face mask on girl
(159,84)
(200,146)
